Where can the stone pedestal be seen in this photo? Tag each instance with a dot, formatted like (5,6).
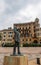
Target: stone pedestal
(15,60)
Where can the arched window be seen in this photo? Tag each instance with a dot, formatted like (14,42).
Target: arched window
(35,41)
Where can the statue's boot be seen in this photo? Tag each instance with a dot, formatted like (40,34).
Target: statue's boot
(19,53)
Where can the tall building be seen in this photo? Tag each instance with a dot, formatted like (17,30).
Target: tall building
(29,32)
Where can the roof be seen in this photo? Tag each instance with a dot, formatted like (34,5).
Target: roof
(24,23)
(7,30)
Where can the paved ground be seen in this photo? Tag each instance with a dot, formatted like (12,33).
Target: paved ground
(31,52)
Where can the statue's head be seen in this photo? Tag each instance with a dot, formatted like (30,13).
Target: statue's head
(18,30)
(15,28)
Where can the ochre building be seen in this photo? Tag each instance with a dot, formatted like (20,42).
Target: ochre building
(40,35)
(29,33)
(7,36)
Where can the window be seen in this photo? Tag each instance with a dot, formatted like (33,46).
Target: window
(4,32)
(23,39)
(10,36)
(22,35)
(9,39)
(10,32)
(29,27)
(3,39)
(30,39)
(35,35)
(40,39)
(4,36)
(27,34)
(20,28)
(26,39)
(37,29)
(40,42)
(26,27)
(30,35)
(23,28)
(29,31)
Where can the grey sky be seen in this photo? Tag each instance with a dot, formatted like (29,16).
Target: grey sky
(18,11)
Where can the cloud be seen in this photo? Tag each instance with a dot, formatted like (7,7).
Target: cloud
(13,6)
(19,11)
(2,6)
(29,13)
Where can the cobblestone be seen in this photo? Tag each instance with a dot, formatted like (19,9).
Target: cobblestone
(32,53)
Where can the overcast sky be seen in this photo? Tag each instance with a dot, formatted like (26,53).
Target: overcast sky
(19,11)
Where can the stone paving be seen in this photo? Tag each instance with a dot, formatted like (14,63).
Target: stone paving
(31,52)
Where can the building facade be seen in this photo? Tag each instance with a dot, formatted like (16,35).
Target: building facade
(29,32)
(40,35)
(7,36)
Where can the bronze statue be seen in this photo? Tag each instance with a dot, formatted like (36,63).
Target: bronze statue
(17,41)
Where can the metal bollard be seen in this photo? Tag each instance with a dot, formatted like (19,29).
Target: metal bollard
(38,61)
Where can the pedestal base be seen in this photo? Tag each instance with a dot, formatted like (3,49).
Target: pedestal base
(15,60)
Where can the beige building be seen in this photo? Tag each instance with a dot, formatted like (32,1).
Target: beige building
(7,36)
(40,35)
(29,32)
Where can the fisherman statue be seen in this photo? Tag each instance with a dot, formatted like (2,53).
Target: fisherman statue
(17,41)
